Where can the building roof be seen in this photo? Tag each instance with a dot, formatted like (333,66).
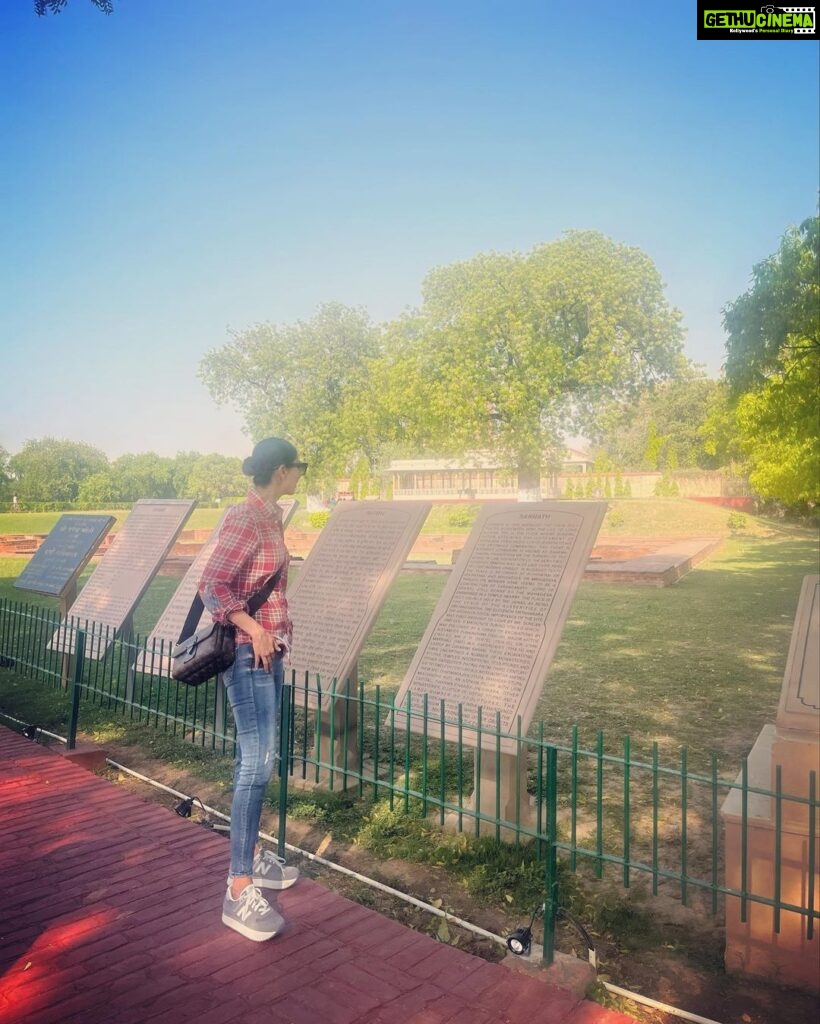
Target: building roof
(471,460)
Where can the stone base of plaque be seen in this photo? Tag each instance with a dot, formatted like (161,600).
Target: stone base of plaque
(785,955)
(797,753)
(345,780)
(87,755)
(497,796)
(342,750)
(567,972)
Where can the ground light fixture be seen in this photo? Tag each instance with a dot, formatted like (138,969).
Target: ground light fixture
(185,808)
(519,941)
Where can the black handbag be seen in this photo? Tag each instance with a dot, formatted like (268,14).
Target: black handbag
(210,650)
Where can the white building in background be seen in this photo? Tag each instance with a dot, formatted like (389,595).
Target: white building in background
(479,476)
(482,476)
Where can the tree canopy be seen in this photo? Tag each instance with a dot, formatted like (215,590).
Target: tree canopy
(53,470)
(214,477)
(778,426)
(508,350)
(773,366)
(131,477)
(672,426)
(295,381)
(50,471)
(778,318)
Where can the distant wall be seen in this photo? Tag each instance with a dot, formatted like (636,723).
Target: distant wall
(744,504)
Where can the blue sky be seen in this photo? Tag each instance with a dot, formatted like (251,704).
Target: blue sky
(179,168)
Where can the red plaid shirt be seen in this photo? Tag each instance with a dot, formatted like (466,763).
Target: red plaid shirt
(249,550)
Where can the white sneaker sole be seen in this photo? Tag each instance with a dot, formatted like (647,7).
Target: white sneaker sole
(274,883)
(249,933)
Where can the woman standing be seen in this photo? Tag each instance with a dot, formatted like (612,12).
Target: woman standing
(249,551)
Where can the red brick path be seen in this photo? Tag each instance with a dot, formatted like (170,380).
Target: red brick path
(110,912)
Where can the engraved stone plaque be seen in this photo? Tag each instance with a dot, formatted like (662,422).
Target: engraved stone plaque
(167,631)
(800,697)
(124,573)
(495,629)
(64,554)
(343,584)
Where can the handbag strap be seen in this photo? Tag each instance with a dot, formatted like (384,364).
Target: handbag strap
(255,602)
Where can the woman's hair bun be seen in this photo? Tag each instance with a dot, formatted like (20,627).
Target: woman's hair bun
(268,454)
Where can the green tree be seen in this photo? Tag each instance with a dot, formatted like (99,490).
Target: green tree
(214,477)
(666,427)
(297,380)
(52,470)
(720,434)
(779,433)
(363,483)
(508,350)
(145,475)
(98,489)
(773,366)
(778,318)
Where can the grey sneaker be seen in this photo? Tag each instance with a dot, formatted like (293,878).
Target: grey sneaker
(271,872)
(251,915)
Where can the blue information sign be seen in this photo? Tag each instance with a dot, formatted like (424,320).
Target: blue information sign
(64,554)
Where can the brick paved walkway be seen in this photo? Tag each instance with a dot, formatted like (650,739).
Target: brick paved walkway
(110,912)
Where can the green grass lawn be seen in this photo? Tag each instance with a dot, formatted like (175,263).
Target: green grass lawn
(627,517)
(27,523)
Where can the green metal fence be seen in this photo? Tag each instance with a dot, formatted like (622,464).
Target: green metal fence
(624,813)
(130,678)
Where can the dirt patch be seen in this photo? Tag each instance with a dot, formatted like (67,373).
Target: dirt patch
(683,969)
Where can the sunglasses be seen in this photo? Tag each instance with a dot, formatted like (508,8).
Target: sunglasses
(301,466)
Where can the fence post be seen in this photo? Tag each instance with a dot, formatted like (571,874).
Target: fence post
(74,709)
(551,871)
(284,766)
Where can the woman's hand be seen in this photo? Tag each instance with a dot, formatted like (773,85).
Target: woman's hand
(265,644)
(264,648)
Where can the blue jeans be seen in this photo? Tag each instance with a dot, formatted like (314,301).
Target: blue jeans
(255,697)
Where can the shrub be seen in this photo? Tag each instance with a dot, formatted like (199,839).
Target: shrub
(736,521)
(616,517)
(462,517)
(318,519)
(666,487)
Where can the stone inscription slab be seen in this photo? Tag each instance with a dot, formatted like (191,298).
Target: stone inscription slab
(800,697)
(125,571)
(495,629)
(169,626)
(343,584)
(64,554)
